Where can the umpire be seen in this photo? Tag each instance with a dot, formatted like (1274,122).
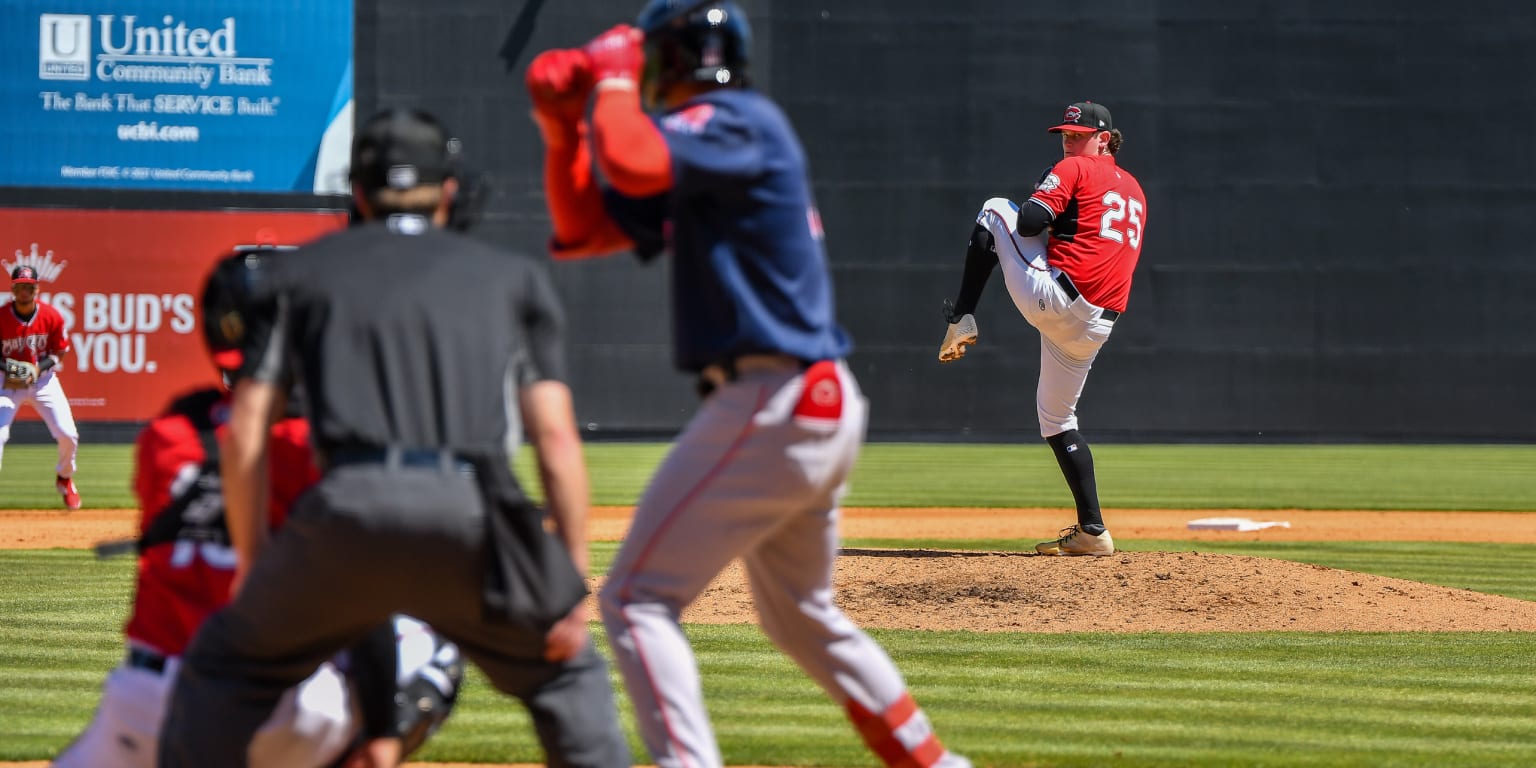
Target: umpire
(416,350)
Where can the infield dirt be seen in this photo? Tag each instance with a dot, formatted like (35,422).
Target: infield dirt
(1014,592)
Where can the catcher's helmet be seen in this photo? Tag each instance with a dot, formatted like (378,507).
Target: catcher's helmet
(223,301)
(693,41)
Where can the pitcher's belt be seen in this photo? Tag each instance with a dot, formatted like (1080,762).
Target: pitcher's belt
(1071,290)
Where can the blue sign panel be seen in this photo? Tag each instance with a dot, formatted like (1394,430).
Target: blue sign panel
(226,95)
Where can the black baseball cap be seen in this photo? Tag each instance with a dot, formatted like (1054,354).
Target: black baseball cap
(23,274)
(1085,117)
(401,149)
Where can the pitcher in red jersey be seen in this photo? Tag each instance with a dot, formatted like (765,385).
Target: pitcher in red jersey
(1071,283)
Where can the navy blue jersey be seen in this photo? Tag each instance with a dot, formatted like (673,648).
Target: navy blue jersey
(749,272)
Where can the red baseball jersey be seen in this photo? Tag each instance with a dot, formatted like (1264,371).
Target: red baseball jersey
(182,581)
(32,339)
(1096,236)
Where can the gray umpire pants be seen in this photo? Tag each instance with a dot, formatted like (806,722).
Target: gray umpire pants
(366,542)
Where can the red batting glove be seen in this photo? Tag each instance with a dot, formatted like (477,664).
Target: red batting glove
(559,82)
(617,56)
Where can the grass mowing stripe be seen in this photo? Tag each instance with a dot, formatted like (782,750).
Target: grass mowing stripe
(102,476)
(1427,477)
(1011,695)
(1141,693)
(1338,699)
(1205,477)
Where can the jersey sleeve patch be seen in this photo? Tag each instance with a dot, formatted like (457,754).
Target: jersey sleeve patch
(715,147)
(690,121)
(1055,188)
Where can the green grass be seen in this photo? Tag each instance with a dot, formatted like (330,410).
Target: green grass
(1006,699)
(1280,699)
(1368,477)
(102,476)
(1204,477)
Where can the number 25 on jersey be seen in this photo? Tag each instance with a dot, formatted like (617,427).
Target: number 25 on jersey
(1121,221)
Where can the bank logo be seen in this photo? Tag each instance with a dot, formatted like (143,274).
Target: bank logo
(128,49)
(64,46)
(42,263)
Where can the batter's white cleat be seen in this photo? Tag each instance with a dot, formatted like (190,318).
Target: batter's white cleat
(1075,541)
(961,334)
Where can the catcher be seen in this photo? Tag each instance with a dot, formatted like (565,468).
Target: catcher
(33,339)
(185,572)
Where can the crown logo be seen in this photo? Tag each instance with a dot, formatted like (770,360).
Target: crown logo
(42,262)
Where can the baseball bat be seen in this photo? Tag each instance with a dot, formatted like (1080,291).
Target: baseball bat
(520,33)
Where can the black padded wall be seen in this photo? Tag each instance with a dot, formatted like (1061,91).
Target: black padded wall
(1340,197)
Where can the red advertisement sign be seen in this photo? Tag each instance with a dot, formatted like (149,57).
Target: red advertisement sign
(127,284)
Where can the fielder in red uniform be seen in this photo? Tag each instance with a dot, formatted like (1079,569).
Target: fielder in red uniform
(33,332)
(1071,283)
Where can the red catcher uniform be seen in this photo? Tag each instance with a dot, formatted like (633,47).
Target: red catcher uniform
(185,570)
(184,580)
(1096,235)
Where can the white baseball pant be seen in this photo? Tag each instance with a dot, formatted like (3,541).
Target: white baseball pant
(48,398)
(312,724)
(1071,331)
(749,478)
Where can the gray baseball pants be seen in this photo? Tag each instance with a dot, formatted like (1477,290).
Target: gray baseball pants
(366,542)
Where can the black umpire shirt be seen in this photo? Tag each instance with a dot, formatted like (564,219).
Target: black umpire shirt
(401,334)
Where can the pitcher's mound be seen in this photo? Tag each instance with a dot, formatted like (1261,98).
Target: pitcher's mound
(1126,592)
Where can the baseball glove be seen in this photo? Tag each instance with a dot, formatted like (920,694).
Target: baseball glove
(19,374)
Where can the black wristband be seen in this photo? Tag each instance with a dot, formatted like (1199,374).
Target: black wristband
(46,363)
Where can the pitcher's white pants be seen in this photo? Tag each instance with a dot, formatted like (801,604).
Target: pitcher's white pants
(1071,331)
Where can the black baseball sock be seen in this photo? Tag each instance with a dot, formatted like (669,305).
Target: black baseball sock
(980,260)
(1076,463)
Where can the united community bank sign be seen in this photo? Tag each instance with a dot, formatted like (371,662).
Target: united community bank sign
(226,95)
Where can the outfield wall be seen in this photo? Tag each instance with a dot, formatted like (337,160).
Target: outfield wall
(1337,242)
(1336,248)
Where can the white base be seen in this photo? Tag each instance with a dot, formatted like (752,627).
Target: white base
(1233,524)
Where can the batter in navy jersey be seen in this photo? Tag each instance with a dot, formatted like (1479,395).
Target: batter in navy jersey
(720,181)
